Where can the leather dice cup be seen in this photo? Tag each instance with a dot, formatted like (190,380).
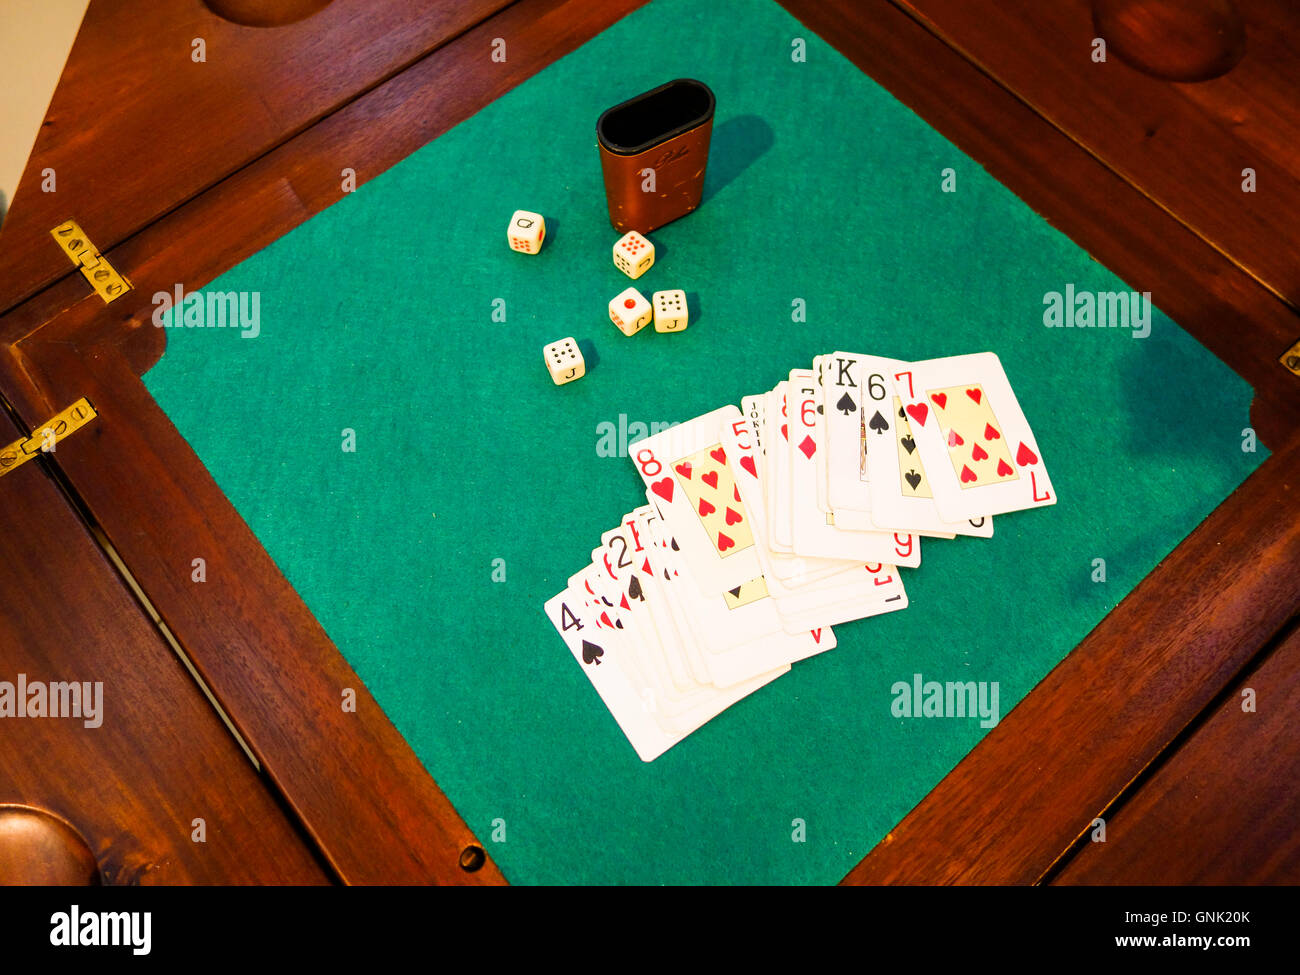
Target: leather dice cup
(666,130)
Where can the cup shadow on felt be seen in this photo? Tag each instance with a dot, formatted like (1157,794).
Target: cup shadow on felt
(1158,429)
(735,144)
(1161,362)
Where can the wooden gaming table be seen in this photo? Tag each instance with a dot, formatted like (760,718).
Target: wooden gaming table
(177,176)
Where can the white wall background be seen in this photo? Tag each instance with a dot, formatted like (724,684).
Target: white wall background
(35,37)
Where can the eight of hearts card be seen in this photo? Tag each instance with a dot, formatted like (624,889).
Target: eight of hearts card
(685,468)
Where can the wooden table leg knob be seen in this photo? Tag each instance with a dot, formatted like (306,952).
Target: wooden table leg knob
(38,848)
(265,13)
(1177,40)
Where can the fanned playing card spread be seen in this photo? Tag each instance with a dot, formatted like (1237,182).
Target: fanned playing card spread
(692,598)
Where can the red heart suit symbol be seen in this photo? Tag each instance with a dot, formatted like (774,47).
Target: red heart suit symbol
(940,399)
(975,394)
(718,454)
(919,412)
(711,479)
(967,474)
(1025,456)
(663,488)
(747,462)
(684,470)
(706,509)
(979,453)
(736,491)
(1004,469)
(990,433)
(785,432)
(733,516)
(954,439)
(724,542)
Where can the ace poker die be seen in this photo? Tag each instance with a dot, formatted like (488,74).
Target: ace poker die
(629,311)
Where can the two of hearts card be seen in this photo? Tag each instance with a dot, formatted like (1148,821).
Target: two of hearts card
(765,525)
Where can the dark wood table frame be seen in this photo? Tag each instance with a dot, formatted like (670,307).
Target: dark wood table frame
(1145,688)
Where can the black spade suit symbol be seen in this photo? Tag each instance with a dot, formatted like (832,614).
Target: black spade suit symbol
(591,653)
(908,444)
(912,478)
(634,589)
(846,405)
(878,423)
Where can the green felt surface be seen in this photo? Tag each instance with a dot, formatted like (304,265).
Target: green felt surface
(376,316)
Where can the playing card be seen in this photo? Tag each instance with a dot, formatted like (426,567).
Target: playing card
(659,597)
(667,579)
(748,612)
(870,590)
(677,711)
(643,656)
(685,469)
(776,472)
(885,459)
(979,453)
(814,533)
(820,458)
(598,654)
(625,561)
(639,657)
(740,438)
(848,591)
(900,489)
(851,382)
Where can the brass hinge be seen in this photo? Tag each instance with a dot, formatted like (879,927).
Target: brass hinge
(1291,358)
(108,284)
(44,439)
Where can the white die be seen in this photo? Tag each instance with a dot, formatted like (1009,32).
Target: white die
(633,254)
(670,311)
(629,311)
(564,361)
(527,231)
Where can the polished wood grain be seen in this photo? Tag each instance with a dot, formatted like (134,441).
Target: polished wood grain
(352,779)
(1224,805)
(1185,145)
(161,757)
(348,776)
(136,126)
(1019,800)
